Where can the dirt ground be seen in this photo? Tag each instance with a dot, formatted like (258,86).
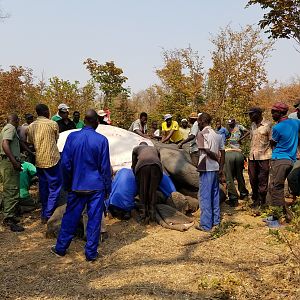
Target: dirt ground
(150,262)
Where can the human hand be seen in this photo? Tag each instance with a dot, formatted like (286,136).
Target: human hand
(17,166)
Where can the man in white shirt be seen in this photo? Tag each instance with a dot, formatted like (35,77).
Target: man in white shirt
(139,126)
(211,162)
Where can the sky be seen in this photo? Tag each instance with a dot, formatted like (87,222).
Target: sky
(54,37)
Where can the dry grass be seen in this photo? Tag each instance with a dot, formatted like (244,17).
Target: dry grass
(243,262)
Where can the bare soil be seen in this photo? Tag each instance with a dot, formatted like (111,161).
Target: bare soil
(149,262)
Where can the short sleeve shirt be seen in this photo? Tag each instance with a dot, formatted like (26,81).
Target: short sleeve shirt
(9,132)
(176,136)
(235,134)
(184,132)
(79,125)
(260,148)
(136,125)
(209,139)
(285,134)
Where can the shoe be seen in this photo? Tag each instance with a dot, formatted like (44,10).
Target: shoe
(232,202)
(269,219)
(243,196)
(13,226)
(273,224)
(53,250)
(92,259)
(198,227)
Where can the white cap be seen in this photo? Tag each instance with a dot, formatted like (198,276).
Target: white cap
(101,113)
(63,107)
(184,120)
(167,116)
(199,114)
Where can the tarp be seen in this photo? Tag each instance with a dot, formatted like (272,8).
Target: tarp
(124,189)
(121,144)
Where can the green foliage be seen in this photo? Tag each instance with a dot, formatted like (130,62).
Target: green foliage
(223,229)
(238,71)
(110,79)
(182,82)
(281,19)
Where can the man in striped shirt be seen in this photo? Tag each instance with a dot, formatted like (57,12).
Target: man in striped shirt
(43,134)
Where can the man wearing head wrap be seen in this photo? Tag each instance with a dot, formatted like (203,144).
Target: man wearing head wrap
(184,128)
(284,143)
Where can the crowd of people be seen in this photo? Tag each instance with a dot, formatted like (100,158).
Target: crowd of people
(214,150)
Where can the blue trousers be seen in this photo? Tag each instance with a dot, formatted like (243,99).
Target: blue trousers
(50,183)
(209,199)
(75,206)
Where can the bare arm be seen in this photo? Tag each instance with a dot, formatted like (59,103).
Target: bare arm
(244,136)
(166,138)
(188,139)
(139,132)
(134,160)
(8,153)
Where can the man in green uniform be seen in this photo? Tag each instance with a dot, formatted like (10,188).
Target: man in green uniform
(10,168)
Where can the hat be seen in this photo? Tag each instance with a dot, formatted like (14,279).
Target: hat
(254,109)
(184,120)
(101,113)
(167,116)
(280,106)
(193,115)
(231,121)
(63,107)
(199,114)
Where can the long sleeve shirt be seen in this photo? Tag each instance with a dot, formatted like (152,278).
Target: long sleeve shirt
(85,162)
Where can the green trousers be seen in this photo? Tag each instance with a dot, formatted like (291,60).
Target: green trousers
(234,166)
(11,186)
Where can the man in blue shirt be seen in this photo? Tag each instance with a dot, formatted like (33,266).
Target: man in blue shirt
(222,130)
(284,142)
(87,177)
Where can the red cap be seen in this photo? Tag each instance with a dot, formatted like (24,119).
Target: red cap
(280,106)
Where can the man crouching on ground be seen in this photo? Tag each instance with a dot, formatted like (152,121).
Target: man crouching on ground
(87,177)
(211,162)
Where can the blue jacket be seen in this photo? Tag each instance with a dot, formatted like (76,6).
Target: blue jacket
(85,162)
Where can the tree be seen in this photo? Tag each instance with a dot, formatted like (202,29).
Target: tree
(64,91)
(110,79)
(18,92)
(238,71)
(282,19)
(182,81)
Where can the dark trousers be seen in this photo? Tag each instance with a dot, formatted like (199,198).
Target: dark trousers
(279,171)
(75,205)
(50,183)
(148,179)
(234,166)
(294,179)
(258,171)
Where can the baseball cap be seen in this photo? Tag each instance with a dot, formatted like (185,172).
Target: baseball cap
(63,107)
(280,106)
(184,120)
(167,116)
(101,113)
(231,121)
(193,115)
(254,109)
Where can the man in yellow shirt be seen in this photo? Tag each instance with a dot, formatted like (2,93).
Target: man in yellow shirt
(170,130)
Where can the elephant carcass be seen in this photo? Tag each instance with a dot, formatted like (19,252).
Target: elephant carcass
(121,144)
(179,167)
